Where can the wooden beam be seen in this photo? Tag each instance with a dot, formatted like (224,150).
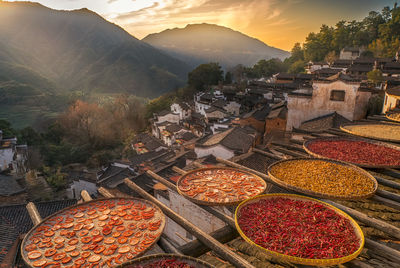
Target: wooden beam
(378,224)
(197,164)
(216,246)
(33,213)
(273,156)
(288,152)
(383,250)
(386,202)
(217,213)
(196,248)
(388,195)
(388,183)
(104,192)
(85,196)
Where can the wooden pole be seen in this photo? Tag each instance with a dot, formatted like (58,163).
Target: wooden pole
(167,246)
(388,195)
(378,224)
(273,156)
(104,192)
(33,213)
(216,246)
(387,202)
(288,152)
(382,250)
(388,183)
(219,214)
(85,196)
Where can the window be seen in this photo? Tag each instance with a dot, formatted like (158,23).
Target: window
(337,95)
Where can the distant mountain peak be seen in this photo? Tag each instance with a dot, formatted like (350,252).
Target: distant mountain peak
(204,42)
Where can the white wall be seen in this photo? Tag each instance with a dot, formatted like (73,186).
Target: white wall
(201,107)
(171,117)
(217,151)
(389,102)
(6,158)
(301,108)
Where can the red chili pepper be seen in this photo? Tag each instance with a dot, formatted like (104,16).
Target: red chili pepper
(359,152)
(304,229)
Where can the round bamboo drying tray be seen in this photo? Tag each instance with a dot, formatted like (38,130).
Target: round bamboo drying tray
(367,135)
(86,209)
(298,260)
(391,146)
(391,118)
(142,261)
(214,202)
(323,195)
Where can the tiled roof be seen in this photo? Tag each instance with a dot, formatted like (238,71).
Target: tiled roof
(219,103)
(151,143)
(173,128)
(9,186)
(393,91)
(333,120)
(164,112)
(15,220)
(114,175)
(187,136)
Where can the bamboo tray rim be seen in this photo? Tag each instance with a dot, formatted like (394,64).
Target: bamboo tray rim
(392,119)
(375,142)
(298,260)
(209,203)
(162,226)
(323,195)
(155,257)
(343,128)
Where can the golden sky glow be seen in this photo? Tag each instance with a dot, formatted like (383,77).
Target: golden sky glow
(279,23)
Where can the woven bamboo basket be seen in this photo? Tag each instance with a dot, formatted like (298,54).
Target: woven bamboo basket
(146,260)
(323,195)
(158,215)
(266,187)
(370,136)
(391,146)
(298,260)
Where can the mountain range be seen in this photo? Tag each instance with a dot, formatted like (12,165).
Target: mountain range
(79,50)
(202,43)
(47,54)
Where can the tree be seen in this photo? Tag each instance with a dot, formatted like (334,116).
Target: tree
(375,76)
(228,78)
(7,129)
(331,57)
(205,75)
(266,68)
(297,67)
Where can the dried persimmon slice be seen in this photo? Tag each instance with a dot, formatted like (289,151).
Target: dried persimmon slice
(86,239)
(86,254)
(66,260)
(109,240)
(73,241)
(103,217)
(35,254)
(39,263)
(50,252)
(100,249)
(134,241)
(59,256)
(94,258)
(59,240)
(74,253)
(122,240)
(124,249)
(30,247)
(69,248)
(79,215)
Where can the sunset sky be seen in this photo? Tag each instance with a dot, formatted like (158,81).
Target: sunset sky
(278,23)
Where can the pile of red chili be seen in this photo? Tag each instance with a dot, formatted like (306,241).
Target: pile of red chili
(358,152)
(299,228)
(164,263)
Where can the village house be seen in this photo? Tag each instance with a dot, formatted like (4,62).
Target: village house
(341,93)
(392,99)
(256,118)
(350,53)
(314,66)
(322,123)
(226,144)
(182,109)
(214,114)
(275,123)
(13,157)
(143,143)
